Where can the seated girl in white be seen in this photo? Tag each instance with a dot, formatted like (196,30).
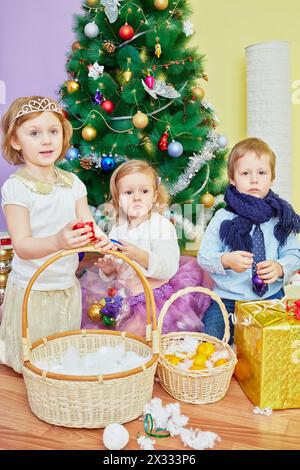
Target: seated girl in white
(149,239)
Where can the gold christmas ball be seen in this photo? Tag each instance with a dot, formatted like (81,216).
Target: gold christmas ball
(127,75)
(72,86)
(161,4)
(3,279)
(140,120)
(6,254)
(89,133)
(207,200)
(94,311)
(76,45)
(92,3)
(198,92)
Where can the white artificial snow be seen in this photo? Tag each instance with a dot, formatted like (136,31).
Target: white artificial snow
(188,345)
(170,418)
(146,443)
(199,440)
(184,365)
(224,354)
(105,360)
(262,411)
(209,364)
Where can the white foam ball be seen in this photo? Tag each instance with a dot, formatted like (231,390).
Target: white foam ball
(115,436)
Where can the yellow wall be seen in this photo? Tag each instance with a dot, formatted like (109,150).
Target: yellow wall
(223,28)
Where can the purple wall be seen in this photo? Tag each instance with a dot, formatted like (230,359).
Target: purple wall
(35,36)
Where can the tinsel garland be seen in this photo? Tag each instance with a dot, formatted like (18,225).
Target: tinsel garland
(196,163)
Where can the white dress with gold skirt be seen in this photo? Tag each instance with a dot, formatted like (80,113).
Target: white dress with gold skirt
(55,300)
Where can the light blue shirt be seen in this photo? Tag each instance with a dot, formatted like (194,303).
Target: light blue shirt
(238,286)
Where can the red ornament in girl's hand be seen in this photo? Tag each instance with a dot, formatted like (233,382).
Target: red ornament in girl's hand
(86,224)
(163,142)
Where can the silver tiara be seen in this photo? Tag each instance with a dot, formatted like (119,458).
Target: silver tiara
(36,106)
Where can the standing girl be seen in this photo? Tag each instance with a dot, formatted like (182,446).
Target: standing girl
(41,204)
(150,239)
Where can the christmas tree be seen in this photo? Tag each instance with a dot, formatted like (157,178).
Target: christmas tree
(135,91)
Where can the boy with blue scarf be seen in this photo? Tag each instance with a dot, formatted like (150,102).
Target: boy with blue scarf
(251,247)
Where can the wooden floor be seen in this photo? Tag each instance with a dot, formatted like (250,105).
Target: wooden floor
(231,418)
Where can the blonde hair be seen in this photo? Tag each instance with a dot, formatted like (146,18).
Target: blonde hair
(10,126)
(137,166)
(252,144)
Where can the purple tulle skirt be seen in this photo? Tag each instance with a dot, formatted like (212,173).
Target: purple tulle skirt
(185,314)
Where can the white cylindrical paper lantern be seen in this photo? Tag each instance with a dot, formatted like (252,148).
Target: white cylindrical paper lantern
(269,113)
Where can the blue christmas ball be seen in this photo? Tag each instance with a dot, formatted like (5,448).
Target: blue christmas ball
(72,153)
(80,256)
(223,141)
(175,149)
(108,163)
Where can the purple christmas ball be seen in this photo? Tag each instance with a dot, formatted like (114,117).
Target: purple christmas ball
(80,256)
(257,281)
(98,98)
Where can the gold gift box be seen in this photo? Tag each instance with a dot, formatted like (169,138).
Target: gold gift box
(268,349)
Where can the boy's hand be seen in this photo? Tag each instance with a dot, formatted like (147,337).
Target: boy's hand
(239,261)
(67,238)
(269,271)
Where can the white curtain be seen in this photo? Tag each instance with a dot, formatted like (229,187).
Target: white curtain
(269,105)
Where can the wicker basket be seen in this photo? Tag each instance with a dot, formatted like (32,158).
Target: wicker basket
(89,401)
(203,386)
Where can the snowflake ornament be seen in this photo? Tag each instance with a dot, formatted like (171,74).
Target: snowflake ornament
(96,70)
(188,28)
(111,9)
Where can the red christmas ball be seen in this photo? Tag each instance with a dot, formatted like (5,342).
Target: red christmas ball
(126,32)
(108,106)
(66,115)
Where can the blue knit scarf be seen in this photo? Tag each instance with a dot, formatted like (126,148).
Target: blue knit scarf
(251,210)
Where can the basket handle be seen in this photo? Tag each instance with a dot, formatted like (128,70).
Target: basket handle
(189,290)
(151,330)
